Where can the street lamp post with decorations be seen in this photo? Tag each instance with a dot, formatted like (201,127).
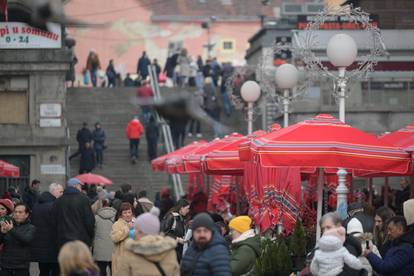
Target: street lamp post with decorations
(250,93)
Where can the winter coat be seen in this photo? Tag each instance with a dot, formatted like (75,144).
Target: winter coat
(99,138)
(170,65)
(83,136)
(44,246)
(151,132)
(146,204)
(214,260)
(331,256)
(142,67)
(30,197)
(16,246)
(245,250)
(119,234)
(366,220)
(93,63)
(399,259)
(110,72)
(102,243)
(87,161)
(140,257)
(134,129)
(173,225)
(73,217)
(185,65)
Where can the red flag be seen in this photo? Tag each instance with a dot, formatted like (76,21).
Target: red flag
(3,9)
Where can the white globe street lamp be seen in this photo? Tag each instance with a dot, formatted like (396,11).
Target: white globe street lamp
(342,51)
(250,93)
(286,78)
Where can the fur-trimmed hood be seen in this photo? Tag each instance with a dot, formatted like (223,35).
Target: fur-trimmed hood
(152,248)
(328,243)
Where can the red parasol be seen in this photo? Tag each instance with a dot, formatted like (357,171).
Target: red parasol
(192,162)
(8,170)
(226,161)
(158,164)
(174,163)
(403,138)
(90,178)
(326,142)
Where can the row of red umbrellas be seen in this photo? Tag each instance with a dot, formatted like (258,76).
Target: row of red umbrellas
(320,142)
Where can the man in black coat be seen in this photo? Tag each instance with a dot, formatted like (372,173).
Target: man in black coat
(72,215)
(16,236)
(44,248)
(83,136)
(152,134)
(87,161)
(31,194)
(356,211)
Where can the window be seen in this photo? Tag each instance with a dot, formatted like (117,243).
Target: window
(228,45)
(14,106)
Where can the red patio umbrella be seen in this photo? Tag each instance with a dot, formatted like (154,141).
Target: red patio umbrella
(158,164)
(90,178)
(326,142)
(226,161)
(192,162)
(403,137)
(174,162)
(8,170)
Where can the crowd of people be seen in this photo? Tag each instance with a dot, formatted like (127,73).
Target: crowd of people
(87,230)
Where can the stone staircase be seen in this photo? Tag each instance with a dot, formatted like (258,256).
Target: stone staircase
(113,108)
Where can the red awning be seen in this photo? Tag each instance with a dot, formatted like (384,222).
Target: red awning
(8,170)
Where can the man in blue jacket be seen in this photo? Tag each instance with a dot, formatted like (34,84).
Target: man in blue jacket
(208,254)
(399,259)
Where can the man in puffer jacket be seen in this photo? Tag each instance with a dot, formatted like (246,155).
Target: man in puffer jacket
(208,254)
(331,255)
(399,259)
(245,246)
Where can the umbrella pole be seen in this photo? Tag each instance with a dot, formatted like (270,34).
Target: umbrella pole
(370,191)
(319,208)
(386,196)
(342,194)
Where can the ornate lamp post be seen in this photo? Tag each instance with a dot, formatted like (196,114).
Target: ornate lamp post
(250,92)
(342,51)
(286,79)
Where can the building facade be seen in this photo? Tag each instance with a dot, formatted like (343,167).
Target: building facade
(33,133)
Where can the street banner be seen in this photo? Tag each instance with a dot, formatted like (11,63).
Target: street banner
(17,35)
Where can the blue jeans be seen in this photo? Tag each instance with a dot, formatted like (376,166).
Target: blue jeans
(133,148)
(93,77)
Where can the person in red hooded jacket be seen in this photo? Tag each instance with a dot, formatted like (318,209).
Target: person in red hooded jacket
(134,131)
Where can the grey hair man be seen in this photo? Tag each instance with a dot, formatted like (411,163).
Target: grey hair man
(56,190)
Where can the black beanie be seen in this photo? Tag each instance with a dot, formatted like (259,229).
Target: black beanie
(203,220)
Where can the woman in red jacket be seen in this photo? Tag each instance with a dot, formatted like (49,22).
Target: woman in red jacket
(134,131)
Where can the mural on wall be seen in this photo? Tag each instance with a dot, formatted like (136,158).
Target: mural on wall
(129,30)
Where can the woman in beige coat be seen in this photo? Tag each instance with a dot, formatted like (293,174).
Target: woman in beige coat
(119,234)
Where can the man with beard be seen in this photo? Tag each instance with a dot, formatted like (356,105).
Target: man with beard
(208,254)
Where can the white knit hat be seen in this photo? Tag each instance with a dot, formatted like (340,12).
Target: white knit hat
(354,227)
(408,209)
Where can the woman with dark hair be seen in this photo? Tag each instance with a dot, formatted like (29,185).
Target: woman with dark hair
(173,224)
(120,232)
(382,215)
(132,199)
(166,202)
